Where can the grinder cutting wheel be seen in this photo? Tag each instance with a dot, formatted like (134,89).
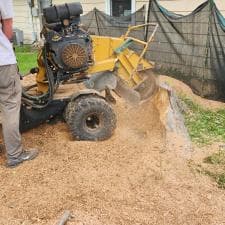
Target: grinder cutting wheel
(71,57)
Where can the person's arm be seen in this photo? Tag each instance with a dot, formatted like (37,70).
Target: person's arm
(7,28)
(6,12)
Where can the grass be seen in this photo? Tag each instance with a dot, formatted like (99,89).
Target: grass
(216,158)
(26,58)
(217,169)
(219,178)
(204,126)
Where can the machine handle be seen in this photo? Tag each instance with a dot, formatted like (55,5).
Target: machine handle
(130,28)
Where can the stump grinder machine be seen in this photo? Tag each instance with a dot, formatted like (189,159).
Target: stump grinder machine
(78,74)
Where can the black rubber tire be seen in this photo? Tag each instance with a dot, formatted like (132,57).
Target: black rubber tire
(90,118)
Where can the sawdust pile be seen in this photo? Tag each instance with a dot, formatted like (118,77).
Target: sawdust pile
(134,178)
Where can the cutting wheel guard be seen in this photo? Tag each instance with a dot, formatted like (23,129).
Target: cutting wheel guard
(134,71)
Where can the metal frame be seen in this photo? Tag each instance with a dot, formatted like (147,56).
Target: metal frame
(144,43)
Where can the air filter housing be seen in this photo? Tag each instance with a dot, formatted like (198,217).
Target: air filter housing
(58,13)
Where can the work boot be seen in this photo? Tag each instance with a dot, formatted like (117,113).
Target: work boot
(24,156)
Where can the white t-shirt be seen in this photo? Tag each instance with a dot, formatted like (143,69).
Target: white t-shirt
(7,56)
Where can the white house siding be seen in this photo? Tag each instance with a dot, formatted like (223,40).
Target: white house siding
(87,5)
(24,22)
(22,19)
(182,6)
(187,6)
(140,3)
(221,5)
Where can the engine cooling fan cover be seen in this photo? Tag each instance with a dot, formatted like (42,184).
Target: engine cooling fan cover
(74,55)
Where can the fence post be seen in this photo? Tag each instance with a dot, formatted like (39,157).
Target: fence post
(96,19)
(207,47)
(148,19)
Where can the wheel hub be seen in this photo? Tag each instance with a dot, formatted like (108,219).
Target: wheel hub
(92,122)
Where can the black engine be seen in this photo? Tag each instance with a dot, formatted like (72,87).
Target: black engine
(69,47)
(66,54)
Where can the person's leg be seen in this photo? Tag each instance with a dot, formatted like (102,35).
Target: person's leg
(10,101)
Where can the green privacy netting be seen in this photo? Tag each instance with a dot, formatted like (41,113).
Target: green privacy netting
(102,24)
(189,48)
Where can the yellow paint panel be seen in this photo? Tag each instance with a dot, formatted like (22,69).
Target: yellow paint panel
(101,66)
(103,47)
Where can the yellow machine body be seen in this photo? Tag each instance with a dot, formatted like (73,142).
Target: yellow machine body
(111,54)
(126,62)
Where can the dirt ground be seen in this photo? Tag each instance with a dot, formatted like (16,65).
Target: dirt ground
(134,178)
(184,89)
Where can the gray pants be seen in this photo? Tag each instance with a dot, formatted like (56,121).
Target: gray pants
(10,101)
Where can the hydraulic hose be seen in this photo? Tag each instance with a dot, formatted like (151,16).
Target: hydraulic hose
(43,100)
